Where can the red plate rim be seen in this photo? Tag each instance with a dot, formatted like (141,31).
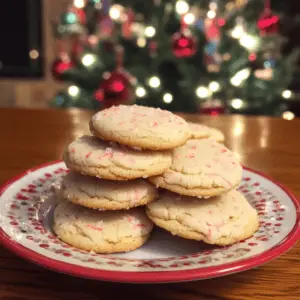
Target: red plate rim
(154,277)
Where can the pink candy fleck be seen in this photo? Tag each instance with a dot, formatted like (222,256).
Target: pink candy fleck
(153,124)
(194,147)
(88,155)
(139,225)
(94,227)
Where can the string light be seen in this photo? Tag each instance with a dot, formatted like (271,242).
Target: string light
(288,115)
(202,92)
(168,98)
(141,42)
(226,56)
(237,103)
(79,3)
(237,32)
(150,31)
(249,42)
(73,90)
(182,7)
(213,6)
(154,82)
(287,94)
(115,12)
(214,86)
(189,18)
(140,92)
(240,76)
(33,54)
(88,60)
(211,14)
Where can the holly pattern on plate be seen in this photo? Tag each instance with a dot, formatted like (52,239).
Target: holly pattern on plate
(27,215)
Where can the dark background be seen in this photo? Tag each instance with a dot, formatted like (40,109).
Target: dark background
(20,32)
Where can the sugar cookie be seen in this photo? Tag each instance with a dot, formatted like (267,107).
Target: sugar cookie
(201,168)
(141,127)
(103,194)
(200,131)
(222,220)
(101,231)
(92,156)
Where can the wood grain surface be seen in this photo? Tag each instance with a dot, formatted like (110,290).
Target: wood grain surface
(32,137)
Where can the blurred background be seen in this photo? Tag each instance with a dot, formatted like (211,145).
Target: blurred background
(206,56)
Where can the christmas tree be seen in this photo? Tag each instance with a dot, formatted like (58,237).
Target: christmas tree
(189,56)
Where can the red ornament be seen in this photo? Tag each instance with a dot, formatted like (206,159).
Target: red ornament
(80,14)
(183,45)
(252,57)
(268,23)
(60,66)
(212,108)
(116,88)
(221,22)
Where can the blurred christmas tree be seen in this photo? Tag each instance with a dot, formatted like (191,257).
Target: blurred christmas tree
(203,55)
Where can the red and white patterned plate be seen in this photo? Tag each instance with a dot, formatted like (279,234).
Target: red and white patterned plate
(26,230)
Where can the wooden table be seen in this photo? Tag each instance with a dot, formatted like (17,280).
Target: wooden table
(32,137)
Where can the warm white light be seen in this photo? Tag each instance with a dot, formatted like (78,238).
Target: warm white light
(34,54)
(141,42)
(288,115)
(240,76)
(287,94)
(73,90)
(202,92)
(140,92)
(214,86)
(237,103)
(154,82)
(79,3)
(115,12)
(237,32)
(150,31)
(88,60)
(249,42)
(211,14)
(213,5)
(243,74)
(168,98)
(182,7)
(235,81)
(189,18)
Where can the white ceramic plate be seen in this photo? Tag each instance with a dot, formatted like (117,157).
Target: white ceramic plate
(26,230)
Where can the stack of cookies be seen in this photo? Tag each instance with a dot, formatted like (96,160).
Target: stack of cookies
(133,151)
(204,204)
(107,184)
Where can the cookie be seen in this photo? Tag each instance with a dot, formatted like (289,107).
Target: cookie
(199,131)
(140,127)
(92,156)
(202,168)
(223,220)
(103,194)
(101,231)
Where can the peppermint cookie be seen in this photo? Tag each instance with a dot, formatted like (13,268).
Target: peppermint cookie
(141,127)
(101,231)
(202,168)
(103,194)
(223,220)
(199,131)
(92,156)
